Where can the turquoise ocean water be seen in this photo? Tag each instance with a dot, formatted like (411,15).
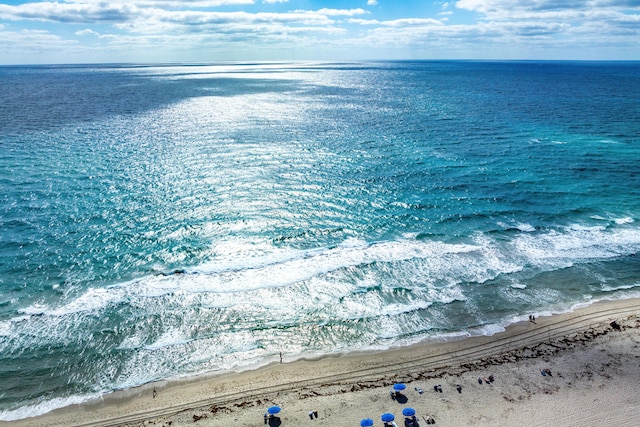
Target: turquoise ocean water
(169,220)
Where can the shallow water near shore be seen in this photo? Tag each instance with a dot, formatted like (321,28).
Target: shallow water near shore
(165,221)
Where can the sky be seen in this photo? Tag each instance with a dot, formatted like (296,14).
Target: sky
(203,31)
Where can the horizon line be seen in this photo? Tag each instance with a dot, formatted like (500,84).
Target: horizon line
(301,61)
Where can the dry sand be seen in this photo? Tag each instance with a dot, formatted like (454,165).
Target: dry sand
(595,380)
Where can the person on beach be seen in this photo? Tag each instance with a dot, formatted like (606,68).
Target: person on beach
(429,419)
(532,318)
(487,380)
(459,388)
(155,393)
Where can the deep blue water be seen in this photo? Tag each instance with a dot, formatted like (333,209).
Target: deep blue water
(168,220)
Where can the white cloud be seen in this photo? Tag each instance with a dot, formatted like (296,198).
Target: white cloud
(521,26)
(86,32)
(555,24)
(122,13)
(342,12)
(174,4)
(525,9)
(30,43)
(412,22)
(363,21)
(86,11)
(67,12)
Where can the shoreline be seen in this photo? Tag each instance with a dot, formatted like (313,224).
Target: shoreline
(240,398)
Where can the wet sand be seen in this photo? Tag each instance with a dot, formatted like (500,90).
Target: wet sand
(594,379)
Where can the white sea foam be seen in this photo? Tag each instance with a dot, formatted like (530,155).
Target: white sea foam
(522,226)
(5,328)
(488,330)
(614,219)
(341,278)
(609,288)
(91,300)
(284,268)
(397,309)
(624,220)
(168,339)
(582,227)
(243,267)
(528,228)
(44,407)
(34,310)
(576,243)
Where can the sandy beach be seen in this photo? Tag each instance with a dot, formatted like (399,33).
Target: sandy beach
(591,377)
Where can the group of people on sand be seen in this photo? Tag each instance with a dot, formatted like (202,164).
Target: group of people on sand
(413,421)
(438,388)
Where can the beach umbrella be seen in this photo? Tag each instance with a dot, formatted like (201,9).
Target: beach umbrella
(386,417)
(408,412)
(367,422)
(274,410)
(399,386)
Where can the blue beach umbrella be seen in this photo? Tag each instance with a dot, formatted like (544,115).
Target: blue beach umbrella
(367,422)
(386,417)
(399,386)
(274,410)
(408,412)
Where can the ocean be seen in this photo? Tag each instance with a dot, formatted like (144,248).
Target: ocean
(169,220)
